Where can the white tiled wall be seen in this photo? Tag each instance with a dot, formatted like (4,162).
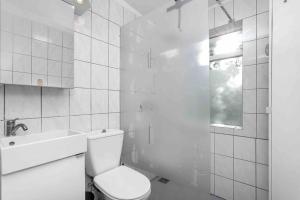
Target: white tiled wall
(94,102)
(240,155)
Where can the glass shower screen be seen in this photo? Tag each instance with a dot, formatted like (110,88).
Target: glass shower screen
(165,93)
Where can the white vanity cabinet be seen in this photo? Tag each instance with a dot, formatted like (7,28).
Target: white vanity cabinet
(59,180)
(46,166)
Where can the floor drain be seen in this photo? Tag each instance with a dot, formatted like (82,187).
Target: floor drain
(164,180)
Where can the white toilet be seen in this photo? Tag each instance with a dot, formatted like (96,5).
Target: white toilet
(103,164)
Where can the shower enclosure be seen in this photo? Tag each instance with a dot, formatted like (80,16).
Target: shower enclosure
(165,94)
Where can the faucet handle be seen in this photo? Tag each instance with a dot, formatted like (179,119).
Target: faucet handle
(12,120)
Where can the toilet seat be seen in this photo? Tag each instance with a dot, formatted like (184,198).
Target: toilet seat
(123,183)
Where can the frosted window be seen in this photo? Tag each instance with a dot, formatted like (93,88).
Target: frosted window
(226,91)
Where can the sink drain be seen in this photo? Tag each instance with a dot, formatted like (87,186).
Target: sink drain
(12,143)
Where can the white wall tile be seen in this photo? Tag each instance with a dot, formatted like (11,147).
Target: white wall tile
(54,68)
(249,101)
(67,70)
(68,40)
(55,52)
(244,192)
(262,126)
(82,72)
(244,148)
(22,45)
(249,126)
(82,45)
(262,153)
(80,101)
(224,166)
(114,56)
(224,144)
(39,49)
(21,26)
(101,7)
(114,79)
(262,6)
(54,81)
(212,142)
(83,23)
(6,77)
(99,121)
(81,123)
(212,163)
(262,177)
(244,8)
(244,172)
(21,63)
(114,101)
(39,65)
(99,101)
(262,194)
(68,55)
(22,102)
(115,12)
(114,34)
(6,61)
(55,36)
(263,25)
(263,75)
(224,130)
(262,100)
(114,120)
(249,77)
(224,188)
(6,21)
(55,102)
(39,31)
(7,41)
(99,77)
(249,28)
(100,28)
(249,53)
(20,78)
(262,45)
(212,184)
(55,123)
(99,52)
(1,102)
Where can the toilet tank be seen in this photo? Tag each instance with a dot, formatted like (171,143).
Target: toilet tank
(104,151)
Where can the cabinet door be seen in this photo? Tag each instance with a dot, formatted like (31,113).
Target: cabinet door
(59,180)
(285,120)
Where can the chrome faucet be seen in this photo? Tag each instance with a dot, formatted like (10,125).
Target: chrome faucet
(11,127)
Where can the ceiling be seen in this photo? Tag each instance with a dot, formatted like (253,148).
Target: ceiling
(145,6)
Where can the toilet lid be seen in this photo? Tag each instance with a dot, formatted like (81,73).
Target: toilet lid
(123,183)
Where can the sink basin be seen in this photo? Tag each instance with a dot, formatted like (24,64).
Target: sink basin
(23,152)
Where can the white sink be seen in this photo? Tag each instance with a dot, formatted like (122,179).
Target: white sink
(23,152)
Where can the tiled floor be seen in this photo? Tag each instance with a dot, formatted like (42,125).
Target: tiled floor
(173,191)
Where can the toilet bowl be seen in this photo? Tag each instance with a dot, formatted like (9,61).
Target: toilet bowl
(115,181)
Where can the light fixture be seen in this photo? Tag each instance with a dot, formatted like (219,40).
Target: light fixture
(80,1)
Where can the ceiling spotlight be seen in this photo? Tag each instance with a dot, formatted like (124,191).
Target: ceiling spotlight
(80,1)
